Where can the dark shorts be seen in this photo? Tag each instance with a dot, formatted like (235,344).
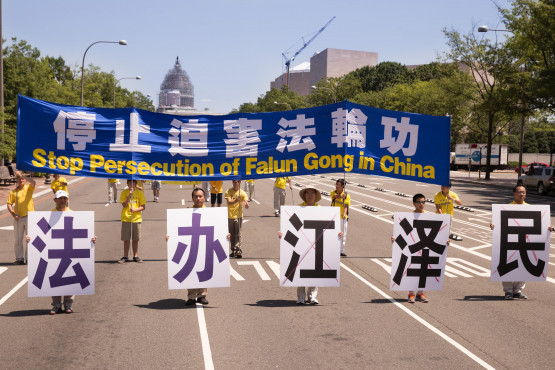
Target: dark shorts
(213,198)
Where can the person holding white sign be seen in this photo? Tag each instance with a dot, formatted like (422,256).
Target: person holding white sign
(310,196)
(61,199)
(236,200)
(513,289)
(19,203)
(133,202)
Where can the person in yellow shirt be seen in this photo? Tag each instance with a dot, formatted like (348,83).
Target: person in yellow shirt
(59,183)
(216,193)
(112,190)
(444,204)
(19,204)
(236,201)
(340,198)
(133,203)
(513,289)
(249,189)
(279,192)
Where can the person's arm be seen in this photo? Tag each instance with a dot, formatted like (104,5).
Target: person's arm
(290,186)
(11,210)
(125,203)
(438,208)
(245,202)
(455,199)
(32,182)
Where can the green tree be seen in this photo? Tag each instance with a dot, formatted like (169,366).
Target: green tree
(275,100)
(335,89)
(382,76)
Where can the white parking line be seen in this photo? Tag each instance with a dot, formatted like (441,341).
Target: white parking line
(206,352)
(11,292)
(421,320)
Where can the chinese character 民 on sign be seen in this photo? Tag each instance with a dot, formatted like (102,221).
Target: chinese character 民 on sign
(310,247)
(197,248)
(419,251)
(520,242)
(61,254)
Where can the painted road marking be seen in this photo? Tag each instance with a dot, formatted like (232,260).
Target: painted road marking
(257,266)
(12,292)
(206,352)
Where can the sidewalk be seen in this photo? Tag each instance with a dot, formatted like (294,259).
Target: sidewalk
(503,179)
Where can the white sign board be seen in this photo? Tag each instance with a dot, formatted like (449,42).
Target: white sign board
(310,246)
(520,242)
(60,253)
(419,251)
(198,248)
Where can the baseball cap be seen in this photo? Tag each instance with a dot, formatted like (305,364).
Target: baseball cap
(61,193)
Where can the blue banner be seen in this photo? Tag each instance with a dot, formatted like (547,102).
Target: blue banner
(129,143)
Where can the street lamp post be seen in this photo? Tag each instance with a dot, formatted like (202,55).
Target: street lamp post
(121,42)
(117,82)
(523,118)
(283,103)
(326,88)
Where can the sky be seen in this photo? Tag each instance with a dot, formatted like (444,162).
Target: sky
(232,49)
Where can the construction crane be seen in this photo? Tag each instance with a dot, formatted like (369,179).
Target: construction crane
(305,44)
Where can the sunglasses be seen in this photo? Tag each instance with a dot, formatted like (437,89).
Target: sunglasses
(420,202)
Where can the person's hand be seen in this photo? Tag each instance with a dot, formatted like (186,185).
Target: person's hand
(27,238)
(228,236)
(16,217)
(340,234)
(491,226)
(93,239)
(167,237)
(280,234)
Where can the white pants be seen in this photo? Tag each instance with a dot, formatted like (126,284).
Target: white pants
(57,301)
(279,198)
(513,286)
(249,189)
(206,188)
(344,225)
(112,192)
(19,245)
(311,291)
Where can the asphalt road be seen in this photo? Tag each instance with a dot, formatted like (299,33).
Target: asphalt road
(134,321)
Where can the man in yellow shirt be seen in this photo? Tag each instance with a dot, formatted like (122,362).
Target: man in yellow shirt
(340,198)
(236,200)
(216,192)
(19,203)
(133,202)
(279,192)
(112,190)
(444,204)
(59,183)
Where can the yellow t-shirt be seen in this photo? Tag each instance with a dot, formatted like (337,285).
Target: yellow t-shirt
(111,181)
(303,204)
(341,203)
(281,182)
(236,209)
(445,204)
(137,200)
(22,200)
(216,187)
(57,184)
(251,181)
(523,204)
(55,210)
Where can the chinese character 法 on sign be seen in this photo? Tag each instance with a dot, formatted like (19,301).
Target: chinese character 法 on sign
(349,127)
(242,137)
(79,130)
(404,129)
(298,131)
(188,138)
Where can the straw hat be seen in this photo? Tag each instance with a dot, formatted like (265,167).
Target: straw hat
(318,195)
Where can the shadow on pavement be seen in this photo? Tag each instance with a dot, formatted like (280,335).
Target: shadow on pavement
(26,313)
(383,300)
(166,304)
(274,303)
(482,298)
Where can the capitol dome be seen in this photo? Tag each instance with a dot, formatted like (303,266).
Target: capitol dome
(177,90)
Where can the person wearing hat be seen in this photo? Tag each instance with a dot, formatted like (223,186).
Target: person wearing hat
(310,196)
(61,199)
(19,203)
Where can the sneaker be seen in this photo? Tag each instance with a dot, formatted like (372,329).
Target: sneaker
(239,254)
(277,213)
(422,298)
(455,237)
(412,298)
(314,301)
(509,296)
(137,259)
(202,300)
(232,255)
(300,301)
(123,260)
(519,296)
(55,310)
(68,309)
(190,302)
(343,255)
(19,262)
